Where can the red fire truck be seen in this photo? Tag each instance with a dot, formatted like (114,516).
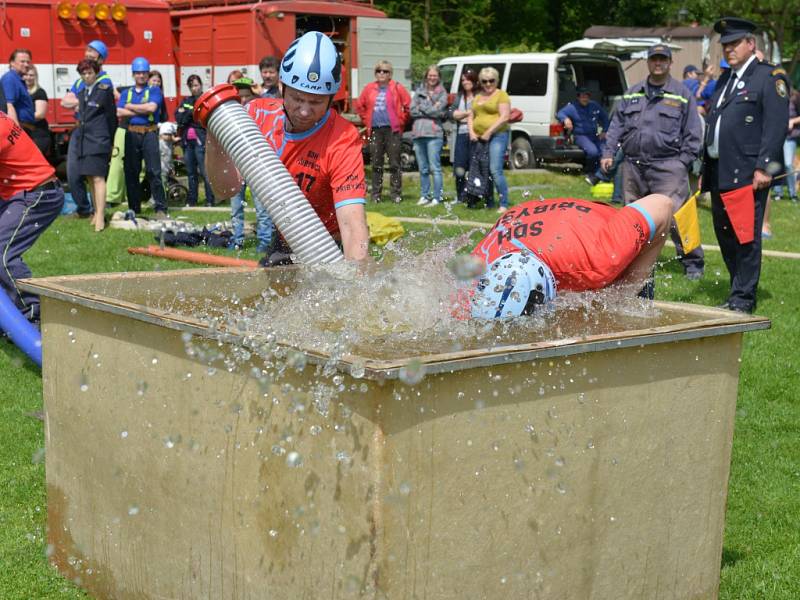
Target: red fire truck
(214,37)
(206,37)
(56,33)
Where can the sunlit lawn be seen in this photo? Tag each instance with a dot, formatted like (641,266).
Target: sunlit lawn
(761,556)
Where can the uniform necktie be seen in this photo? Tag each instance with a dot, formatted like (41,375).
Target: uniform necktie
(730,88)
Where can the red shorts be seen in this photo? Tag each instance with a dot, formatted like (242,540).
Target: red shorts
(587,245)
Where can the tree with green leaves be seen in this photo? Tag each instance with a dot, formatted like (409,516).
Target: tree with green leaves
(450,27)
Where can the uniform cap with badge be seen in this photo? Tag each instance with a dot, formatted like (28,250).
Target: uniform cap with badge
(732,29)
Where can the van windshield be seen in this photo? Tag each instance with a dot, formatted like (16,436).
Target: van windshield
(446,73)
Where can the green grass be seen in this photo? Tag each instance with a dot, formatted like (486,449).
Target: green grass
(761,558)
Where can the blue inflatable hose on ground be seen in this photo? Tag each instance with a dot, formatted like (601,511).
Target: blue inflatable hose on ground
(19,329)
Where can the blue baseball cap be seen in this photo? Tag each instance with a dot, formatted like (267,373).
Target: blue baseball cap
(659,50)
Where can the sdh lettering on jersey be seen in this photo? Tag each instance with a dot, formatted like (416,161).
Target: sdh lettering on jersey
(543,207)
(518,231)
(311,161)
(510,228)
(350,184)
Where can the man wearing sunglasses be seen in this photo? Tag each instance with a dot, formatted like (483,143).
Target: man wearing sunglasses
(384,110)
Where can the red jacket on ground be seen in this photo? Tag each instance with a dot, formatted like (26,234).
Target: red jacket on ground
(398,102)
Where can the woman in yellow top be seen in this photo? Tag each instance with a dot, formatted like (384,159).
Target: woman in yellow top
(489,122)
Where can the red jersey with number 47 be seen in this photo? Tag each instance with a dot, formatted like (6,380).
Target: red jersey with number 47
(325,161)
(22,166)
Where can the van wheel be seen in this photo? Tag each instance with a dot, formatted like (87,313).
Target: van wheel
(521,155)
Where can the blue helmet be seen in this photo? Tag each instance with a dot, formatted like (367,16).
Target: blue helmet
(140,65)
(513,285)
(312,64)
(99,47)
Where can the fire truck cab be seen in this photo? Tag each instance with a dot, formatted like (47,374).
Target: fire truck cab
(57,31)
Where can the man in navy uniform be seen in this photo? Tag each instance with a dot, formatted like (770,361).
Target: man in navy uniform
(747,118)
(657,126)
(585,117)
(141,103)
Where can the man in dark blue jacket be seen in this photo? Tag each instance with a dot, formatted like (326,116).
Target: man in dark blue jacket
(747,119)
(657,126)
(588,122)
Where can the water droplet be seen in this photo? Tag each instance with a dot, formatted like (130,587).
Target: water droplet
(123,434)
(342,456)
(73,311)
(560,488)
(293,459)
(412,373)
(315,430)
(133,510)
(465,267)
(357,370)
(404,488)
(141,388)
(278,450)
(154,361)
(273,533)
(38,456)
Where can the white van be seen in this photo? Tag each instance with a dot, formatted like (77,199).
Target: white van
(540,83)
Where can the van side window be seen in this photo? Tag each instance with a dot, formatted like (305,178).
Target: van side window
(447,72)
(501,67)
(527,79)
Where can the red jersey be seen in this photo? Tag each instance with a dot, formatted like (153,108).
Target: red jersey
(22,166)
(587,245)
(325,161)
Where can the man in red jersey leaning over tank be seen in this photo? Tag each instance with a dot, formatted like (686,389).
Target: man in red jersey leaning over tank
(562,243)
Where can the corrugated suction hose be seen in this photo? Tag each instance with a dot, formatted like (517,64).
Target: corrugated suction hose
(270,183)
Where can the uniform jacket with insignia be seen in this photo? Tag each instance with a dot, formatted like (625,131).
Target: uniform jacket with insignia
(662,126)
(753,126)
(97,122)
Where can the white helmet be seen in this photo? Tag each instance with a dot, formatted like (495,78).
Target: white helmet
(513,285)
(312,64)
